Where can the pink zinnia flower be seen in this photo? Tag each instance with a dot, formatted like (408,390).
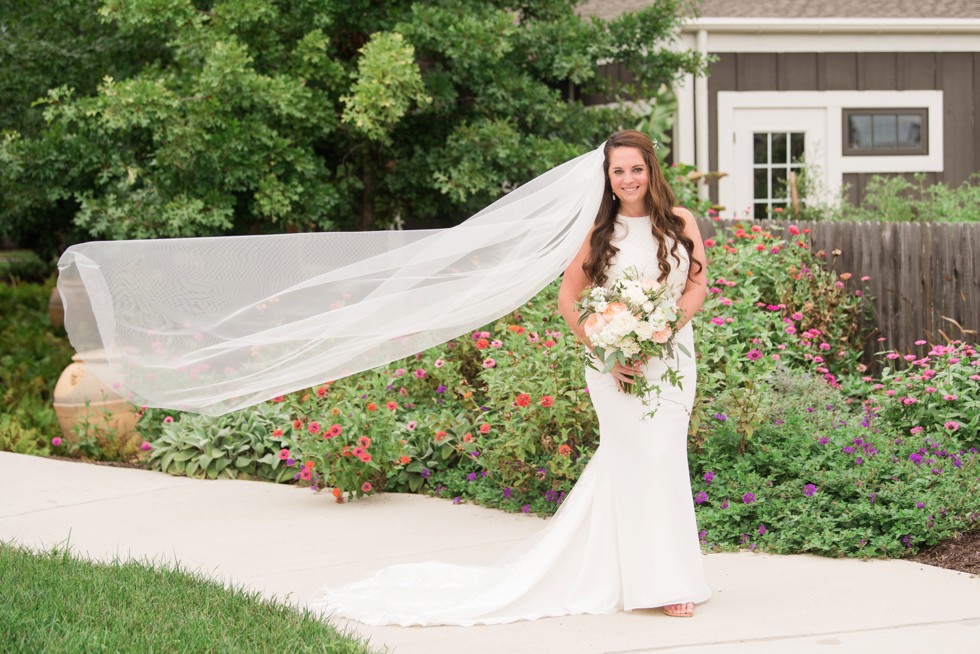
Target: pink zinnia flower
(439,363)
(366,487)
(949,397)
(284,454)
(56,441)
(753,355)
(392,406)
(489,363)
(411,425)
(146,447)
(168,420)
(951,425)
(419,374)
(400,372)
(314,427)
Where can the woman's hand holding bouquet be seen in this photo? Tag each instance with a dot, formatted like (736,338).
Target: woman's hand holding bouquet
(632,321)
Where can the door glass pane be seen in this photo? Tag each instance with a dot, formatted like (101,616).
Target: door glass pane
(761,190)
(760,210)
(796,146)
(885,131)
(779,149)
(779,183)
(760,148)
(910,131)
(859,127)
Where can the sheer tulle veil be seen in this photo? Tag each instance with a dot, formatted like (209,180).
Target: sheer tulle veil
(212,325)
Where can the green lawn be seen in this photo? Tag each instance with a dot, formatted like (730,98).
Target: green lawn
(54,602)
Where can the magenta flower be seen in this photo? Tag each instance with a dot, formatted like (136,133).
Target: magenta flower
(56,441)
(400,372)
(949,397)
(762,530)
(951,425)
(748,498)
(700,497)
(420,374)
(708,477)
(146,447)
(809,490)
(168,420)
(753,355)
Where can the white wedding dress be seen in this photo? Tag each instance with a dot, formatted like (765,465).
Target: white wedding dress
(624,538)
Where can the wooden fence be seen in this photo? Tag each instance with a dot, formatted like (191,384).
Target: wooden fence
(925,277)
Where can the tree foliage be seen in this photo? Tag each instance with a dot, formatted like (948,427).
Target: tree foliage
(250,116)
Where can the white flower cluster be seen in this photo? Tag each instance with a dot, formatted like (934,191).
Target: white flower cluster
(633,311)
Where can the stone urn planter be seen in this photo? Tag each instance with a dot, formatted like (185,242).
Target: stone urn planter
(80,399)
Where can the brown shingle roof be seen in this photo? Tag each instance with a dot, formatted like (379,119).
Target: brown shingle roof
(803,8)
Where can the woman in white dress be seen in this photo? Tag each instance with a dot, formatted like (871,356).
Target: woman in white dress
(625,537)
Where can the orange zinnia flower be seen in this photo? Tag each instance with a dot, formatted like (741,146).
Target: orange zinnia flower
(405,460)
(372,406)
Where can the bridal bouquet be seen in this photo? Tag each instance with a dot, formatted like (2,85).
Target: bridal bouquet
(632,321)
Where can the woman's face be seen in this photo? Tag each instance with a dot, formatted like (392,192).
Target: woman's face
(629,178)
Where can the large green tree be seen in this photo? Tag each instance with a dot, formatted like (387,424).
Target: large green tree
(245,116)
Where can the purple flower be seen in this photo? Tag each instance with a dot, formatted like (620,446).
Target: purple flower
(721,417)
(748,498)
(526,508)
(708,476)
(703,534)
(456,500)
(441,388)
(290,462)
(506,492)
(426,473)
(700,497)
(762,530)
(724,504)
(824,440)
(915,458)
(809,490)
(550,496)
(920,505)
(471,477)
(871,498)
(847,449)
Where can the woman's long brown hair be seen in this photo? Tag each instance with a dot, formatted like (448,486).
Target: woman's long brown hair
(660,203)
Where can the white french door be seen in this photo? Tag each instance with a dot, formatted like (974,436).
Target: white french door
(767,145)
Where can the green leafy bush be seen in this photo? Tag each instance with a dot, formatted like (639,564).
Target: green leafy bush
(32,357)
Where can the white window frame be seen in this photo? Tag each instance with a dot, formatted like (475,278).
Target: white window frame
(832,103)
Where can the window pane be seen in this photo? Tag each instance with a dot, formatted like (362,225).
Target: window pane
(859,128)
(779,183)
(760,148)
(910,131)
(760,210)
(885,131)
(761,189)
(796,146)
(779,149)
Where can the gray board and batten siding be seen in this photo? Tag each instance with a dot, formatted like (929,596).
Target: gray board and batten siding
(924,276)
(956,74)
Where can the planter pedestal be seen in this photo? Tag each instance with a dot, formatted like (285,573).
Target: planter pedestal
(81,398)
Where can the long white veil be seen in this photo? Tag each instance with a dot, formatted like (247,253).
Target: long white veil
(216,324)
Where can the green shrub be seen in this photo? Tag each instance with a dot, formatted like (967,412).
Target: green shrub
(32,358)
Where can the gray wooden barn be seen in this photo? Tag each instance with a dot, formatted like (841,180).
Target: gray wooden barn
(854,89)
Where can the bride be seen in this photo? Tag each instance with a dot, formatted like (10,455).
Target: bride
(625,537)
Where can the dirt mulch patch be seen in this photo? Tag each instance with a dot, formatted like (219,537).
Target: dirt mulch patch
(961,553)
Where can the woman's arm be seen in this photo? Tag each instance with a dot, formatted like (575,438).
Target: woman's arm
(697,282)
(573,282)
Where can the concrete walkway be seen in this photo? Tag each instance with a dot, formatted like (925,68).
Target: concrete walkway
(285,542)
